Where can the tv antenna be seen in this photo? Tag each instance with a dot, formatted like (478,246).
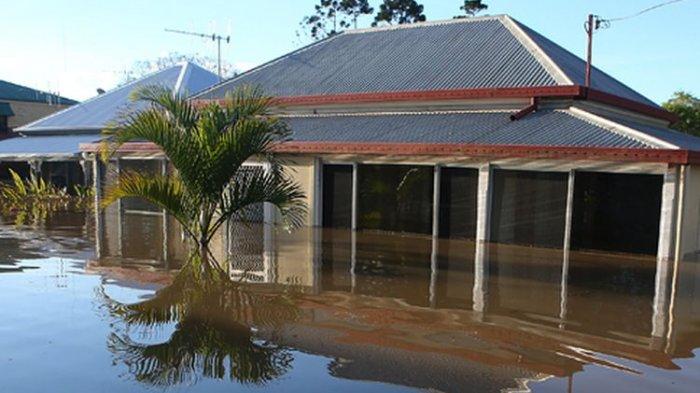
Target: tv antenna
(214,37)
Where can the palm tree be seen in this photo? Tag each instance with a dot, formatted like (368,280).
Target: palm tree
(207,145)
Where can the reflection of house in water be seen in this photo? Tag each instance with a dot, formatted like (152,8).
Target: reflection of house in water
(373,296)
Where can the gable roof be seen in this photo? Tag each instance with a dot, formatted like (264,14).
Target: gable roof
(468,53)
(98,112)
(14,92)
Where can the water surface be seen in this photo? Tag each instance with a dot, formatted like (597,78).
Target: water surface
(88,308)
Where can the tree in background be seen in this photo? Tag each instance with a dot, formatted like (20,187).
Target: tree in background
(142,68)
(472,7)
(687,108)
(399,12)
(333,16)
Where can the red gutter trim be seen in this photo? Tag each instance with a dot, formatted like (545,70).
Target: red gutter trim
(570,91)
(670,156)
(430,95)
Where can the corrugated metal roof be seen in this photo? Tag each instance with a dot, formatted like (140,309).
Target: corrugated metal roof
(14,92)
(54,145)
(485,52)
(545,127)
(96,113)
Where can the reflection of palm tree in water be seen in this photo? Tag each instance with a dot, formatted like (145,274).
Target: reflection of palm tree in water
(213,336)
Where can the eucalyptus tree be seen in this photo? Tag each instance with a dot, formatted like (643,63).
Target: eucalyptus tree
(472,7)
(399,12)
(331,17)
(207,145)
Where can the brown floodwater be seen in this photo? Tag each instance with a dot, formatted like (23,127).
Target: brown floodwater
(100,305)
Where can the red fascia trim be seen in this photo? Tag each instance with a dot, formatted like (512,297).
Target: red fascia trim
(431,95)
(624,103)
(570,91)
(670,156)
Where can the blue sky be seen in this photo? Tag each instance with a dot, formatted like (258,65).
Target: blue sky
(76,46)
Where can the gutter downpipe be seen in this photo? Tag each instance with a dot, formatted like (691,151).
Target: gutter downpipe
(534,104)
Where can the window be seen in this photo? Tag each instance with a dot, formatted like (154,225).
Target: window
(458,189)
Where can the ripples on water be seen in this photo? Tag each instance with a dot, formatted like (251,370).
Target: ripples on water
(331,311)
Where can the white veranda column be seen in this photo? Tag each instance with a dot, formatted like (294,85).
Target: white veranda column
(664,258)
(483,217)
(564,286)
(436,234)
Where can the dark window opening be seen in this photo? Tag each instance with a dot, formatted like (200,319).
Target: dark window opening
(4,126)
(528,208)
(616,212)
(21,168)
(337,196)
(458,194)
(397,198)
(142,167)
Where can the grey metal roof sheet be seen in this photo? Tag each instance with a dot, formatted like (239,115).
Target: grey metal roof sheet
(484,52)
(542,128)
(98,112)
(14,92)
(62,145)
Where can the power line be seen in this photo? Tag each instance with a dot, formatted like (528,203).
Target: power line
(644,11)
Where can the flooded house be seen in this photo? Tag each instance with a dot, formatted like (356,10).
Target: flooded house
(49,147)
(467,151)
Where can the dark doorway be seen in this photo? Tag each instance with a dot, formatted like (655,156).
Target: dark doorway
(337,196)
(529,208)
(616,212)
(458,190)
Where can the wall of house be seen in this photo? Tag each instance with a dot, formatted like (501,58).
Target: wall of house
(27,112)
(690,224)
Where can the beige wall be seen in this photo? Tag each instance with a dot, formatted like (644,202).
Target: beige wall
(690,228)
(302,170)
(27,112)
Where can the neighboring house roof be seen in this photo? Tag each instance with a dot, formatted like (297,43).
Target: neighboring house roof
(99,112)
(570,127)
(468,53)
(51,146)
(14,92)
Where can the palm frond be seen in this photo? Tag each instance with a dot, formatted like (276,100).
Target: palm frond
(165,192)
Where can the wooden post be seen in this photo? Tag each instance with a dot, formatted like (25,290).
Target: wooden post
(483,218)
(353,228)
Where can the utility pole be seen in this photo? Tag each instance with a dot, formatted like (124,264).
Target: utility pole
(214,37)
(593,24)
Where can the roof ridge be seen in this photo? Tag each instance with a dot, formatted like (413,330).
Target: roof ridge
(536,51)
(91,99)
(416,25)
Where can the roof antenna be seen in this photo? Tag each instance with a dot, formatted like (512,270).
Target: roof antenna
(214,37)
